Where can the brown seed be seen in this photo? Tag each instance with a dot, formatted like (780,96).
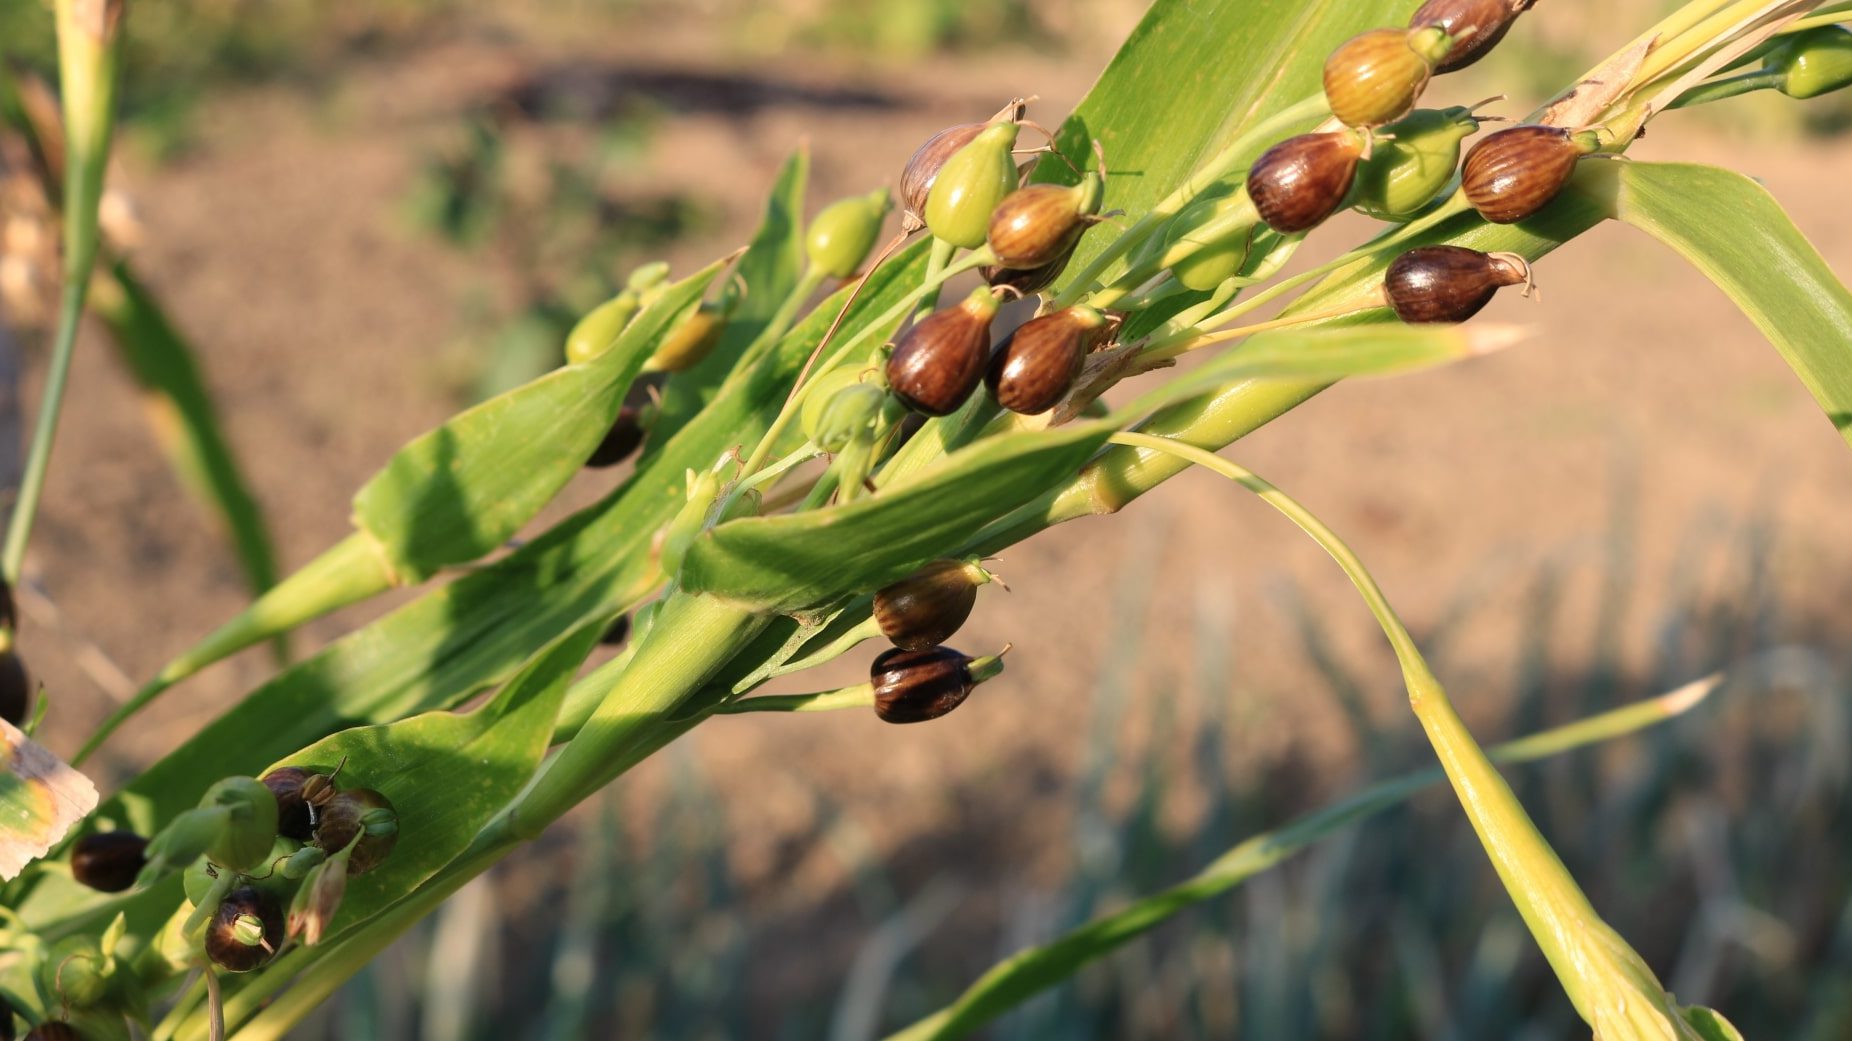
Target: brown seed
(1303,180)
(1512,174)
(1475,25)
(15,689)
(1036,226)
(108,861)
(916,686)
(296,791)
(1449,283)
(225,940)
(359,813)
(1034,368)
(624,438)
(921,170)
(928,606)
(1376,77)
(51,1030)
(1028,280)
(9,619)
(939,361)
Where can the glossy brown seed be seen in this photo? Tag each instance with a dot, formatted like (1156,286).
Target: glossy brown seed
(1448,283)
(52,1030)
(359,813)
(1034,368)
(108,861)
(1036,226)
(1028,280)
(1476,26)
(939,361)
(915,686)
(1512,174)
(624,438)
(1376,77)
(928,606)
(1303,180)
(224,943)
(15,689)
(296,791)
(921,170)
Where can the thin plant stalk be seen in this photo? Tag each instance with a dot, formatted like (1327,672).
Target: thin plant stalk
(1611,986)
(89,71)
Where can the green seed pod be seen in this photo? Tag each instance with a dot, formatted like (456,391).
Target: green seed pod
(647,277)
(1211,250)
(197,881)
(1036,366)
(939,361)
(78,972)
(15,689)
(916,180)
(108,861)
(600,327)
(928,606)
(1376,77)
(691,340)
(1816,62)
(1514,173)
(302,862)
(318,898)
(185,839)
(1476,26)
(250,822)
(820,388)
(54,1030)
(970,185)
(1449,283)
(622,441)
(299,793)
(839,240)
(916,686)
(1035,226)
(245,931)
(833,421)
(1413,162)
(363,818)
(1303,180)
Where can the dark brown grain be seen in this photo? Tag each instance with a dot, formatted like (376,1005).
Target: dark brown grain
(1303,180)
(1445,283)
(1512,174)
(940,361)
(108,861)
(1035,226)
(926,607)
(222,945)
(916,686)
(1036,366)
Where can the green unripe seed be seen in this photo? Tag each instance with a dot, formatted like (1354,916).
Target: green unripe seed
(817,394)
(648,276)
(691,340)
(1412,163)
(250,830)
(1206,249)
(303,861)
(849,413)
(600,327)
(970,185)
(185,839)
(77,972)
(1816,62)
(840,238)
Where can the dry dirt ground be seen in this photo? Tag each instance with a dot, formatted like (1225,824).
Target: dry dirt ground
(280,246)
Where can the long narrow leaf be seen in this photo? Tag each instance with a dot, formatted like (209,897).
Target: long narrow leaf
(1730,228)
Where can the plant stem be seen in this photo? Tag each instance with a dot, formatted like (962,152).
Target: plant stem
(1609,984)
(936,260)
(45,431)
(861,695)
(1735,86)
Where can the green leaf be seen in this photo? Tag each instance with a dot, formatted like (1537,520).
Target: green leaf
(1730,228)
(1034,970)
(460,491)
(795,561)
(447,774)
(1190,78)
(1711,1025)
(183,416)
(769,272)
